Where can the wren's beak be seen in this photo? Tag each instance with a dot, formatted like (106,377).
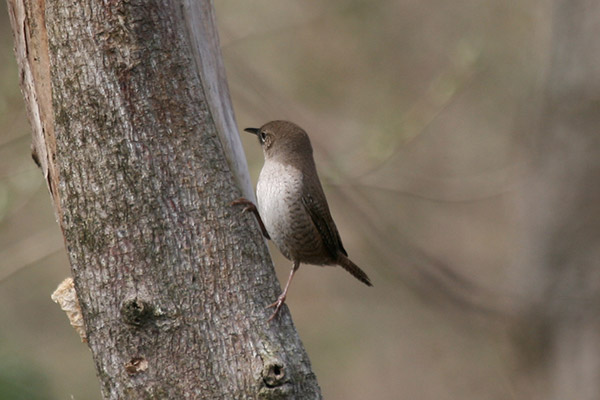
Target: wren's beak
(253,131)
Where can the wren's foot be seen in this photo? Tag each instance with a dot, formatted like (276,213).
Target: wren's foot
(249,206)
(277,305)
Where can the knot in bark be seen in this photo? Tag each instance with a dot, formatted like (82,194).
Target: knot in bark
(137,312)
(273,373)
(277,384)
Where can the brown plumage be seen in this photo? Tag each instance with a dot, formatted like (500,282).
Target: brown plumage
(292,204)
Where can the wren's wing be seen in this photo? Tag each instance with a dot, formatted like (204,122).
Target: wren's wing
(316,206)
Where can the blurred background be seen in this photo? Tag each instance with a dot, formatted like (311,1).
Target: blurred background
(420,114)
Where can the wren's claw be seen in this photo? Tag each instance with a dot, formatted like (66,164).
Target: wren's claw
(277,305)
(244,202)
(249,206)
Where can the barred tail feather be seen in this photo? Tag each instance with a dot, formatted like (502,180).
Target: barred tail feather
(354,269)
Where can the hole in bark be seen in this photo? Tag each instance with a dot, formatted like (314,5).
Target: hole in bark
(137,312)
(274,374)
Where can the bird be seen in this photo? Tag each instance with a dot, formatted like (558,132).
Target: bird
(292,209)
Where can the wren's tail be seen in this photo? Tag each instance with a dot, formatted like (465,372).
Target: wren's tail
(354,269)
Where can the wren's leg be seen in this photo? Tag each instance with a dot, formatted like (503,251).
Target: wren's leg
(281,298)
(251,207)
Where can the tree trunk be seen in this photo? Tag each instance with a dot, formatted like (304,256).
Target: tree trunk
(134,132)
(561,213)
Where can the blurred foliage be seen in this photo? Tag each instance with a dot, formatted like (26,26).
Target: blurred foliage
(414,109)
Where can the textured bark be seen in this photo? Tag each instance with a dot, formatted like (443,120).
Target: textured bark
(135,135)
(561,213)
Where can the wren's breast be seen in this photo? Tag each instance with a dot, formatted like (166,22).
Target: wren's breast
(279,195)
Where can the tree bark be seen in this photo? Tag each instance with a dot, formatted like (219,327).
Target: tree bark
(561,214)
(134,131)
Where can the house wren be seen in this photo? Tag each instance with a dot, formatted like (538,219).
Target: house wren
(293,207)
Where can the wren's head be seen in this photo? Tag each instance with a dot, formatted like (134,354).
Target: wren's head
(283,140)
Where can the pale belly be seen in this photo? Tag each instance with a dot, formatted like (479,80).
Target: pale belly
(279,195)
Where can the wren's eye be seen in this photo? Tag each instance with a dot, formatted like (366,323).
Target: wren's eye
(262,136)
